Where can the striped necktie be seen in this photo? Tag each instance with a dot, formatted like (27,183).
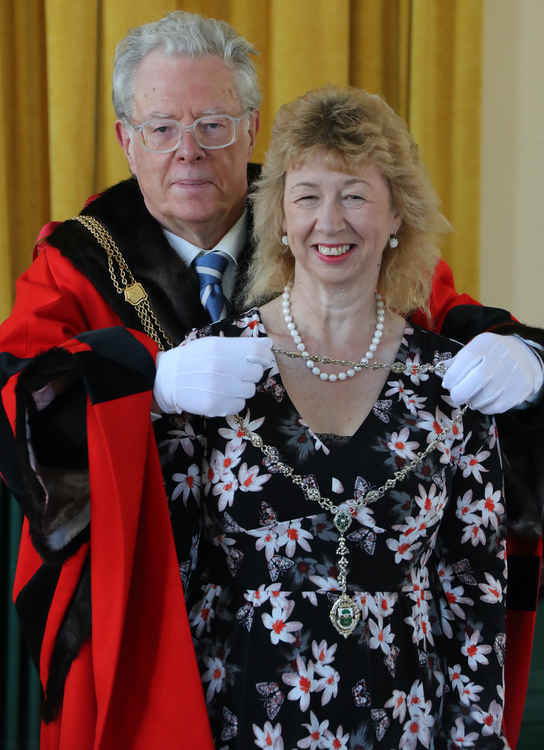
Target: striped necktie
(210,268)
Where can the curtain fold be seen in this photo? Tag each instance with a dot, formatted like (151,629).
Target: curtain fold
(24,167)
(6,164)
(72,61)
(444,116)
(380,50)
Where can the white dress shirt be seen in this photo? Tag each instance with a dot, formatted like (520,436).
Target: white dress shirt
(232,244)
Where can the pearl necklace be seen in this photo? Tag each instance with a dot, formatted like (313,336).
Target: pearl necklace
(311,362)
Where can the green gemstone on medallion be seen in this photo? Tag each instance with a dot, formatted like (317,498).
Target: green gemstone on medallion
(342,520)
(345,615)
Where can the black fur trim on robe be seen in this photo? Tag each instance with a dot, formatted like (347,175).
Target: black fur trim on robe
(55,472)
(9,469)
(56,493)
(64,418)
(522,438)
(73,633)
(521,431)
(464,322)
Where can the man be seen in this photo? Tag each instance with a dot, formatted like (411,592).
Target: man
(101,602)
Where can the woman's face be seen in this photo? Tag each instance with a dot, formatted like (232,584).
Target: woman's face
(337,223)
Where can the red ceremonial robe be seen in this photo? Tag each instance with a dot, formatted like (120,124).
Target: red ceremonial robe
(141,687)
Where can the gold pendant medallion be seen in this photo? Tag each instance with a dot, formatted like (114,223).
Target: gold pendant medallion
(345,615)
(135,293)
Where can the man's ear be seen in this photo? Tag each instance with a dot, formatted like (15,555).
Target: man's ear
(124,138)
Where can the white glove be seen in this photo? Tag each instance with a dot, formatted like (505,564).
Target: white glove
(212,376)
(494,373)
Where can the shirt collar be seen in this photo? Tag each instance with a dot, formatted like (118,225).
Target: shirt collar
(232,243)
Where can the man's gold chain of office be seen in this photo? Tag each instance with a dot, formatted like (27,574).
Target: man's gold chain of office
(124,282)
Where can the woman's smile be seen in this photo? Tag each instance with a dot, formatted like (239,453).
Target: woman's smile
(333,250)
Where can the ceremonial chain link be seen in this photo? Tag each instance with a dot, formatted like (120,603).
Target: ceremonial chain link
(439,368)
(132,290)
(313,493)
(344,613)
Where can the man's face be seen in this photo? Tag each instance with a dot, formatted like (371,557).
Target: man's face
(196,193)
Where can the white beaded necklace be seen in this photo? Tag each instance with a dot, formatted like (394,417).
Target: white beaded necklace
(310,363)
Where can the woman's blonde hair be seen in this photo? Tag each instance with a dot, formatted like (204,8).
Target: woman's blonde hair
(349,128)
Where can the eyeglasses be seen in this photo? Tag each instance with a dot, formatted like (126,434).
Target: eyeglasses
(210,132)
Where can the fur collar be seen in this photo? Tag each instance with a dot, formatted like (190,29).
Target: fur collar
(172,287)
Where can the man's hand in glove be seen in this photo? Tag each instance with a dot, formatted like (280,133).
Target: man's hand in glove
(212,376)
(494,373)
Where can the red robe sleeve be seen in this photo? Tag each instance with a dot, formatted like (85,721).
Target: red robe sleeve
(444,297)
(134,682)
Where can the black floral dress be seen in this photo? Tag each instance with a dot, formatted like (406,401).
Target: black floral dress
(427,568)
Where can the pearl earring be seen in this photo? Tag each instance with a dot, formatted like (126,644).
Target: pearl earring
(284,240)
(393,241)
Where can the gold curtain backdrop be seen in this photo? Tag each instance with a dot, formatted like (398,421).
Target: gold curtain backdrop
(57,144)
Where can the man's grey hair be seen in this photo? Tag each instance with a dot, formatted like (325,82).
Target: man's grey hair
(184,34)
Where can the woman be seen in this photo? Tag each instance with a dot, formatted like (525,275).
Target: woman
(346,566)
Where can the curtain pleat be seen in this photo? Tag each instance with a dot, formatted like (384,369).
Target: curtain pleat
(6,164)
(379,49)
(24,180)
(72,62)
(444,117)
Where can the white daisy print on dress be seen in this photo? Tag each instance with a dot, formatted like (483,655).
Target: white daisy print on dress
(187,484)
(475,651)
(302,683)
(279,626)
(214,676)
(269,737)
(316,734)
